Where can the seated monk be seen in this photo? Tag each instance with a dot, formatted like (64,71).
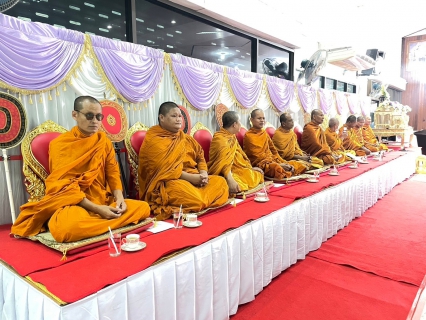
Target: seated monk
(360,121)
(83,191)
(227,159)
(314,141)
(262,153)
(172,171)
(370,137)
(285,141)
(350,141)
(335,141)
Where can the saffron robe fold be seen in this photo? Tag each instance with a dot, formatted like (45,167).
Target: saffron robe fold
(285,141)
(351,142)
(81,167)
(360,138)
(336,144)
(260,149)
(314,143)
(227,156)
(370,138)
(163,157)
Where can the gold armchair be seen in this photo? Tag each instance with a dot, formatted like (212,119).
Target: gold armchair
(35,154)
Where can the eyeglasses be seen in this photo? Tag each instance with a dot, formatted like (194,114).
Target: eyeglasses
(90,115)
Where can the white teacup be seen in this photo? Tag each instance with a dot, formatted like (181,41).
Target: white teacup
(262,195)
(191,219)
(131,240)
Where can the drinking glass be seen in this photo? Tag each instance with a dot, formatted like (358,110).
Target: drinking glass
(177,219)
(114,245)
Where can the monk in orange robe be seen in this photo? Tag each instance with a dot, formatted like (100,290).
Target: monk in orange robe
(172,171)
(83,191)
(334,141)
(285,141)
(227,159)
(314,141)
(262,153)
(370,137)
(360,121)
(350,141)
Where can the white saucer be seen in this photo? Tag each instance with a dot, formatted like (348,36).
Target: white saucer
(140,246)
(333,174)
(363,162)
(353,167)
(261,199)
(186,224)
(312,180)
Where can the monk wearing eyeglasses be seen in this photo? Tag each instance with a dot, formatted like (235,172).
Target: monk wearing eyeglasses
(172,170)
(83,190)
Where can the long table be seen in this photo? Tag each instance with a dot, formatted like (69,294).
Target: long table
(210,280)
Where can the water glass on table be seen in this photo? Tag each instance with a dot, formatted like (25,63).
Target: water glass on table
(114,244)
(316,175)
(177,219)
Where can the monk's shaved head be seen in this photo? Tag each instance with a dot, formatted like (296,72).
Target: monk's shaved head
(284,117)
(78,102)
(253,113)
(229,118)
(351,119)
(360,119)
(333,122)
(316,112)
(165,107)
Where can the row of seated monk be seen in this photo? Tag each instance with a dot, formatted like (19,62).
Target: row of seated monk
(83,195)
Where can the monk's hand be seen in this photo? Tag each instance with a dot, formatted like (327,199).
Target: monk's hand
(232,184)
(287,167)
(108,212)
(121,206)
(257,169)
(306,158)
(366,150)
(205,177)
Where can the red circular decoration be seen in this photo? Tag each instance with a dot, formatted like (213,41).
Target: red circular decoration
(13,121)
(114,123)
(219,111)
(186,123)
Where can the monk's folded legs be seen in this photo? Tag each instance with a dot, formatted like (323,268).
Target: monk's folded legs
(73,223)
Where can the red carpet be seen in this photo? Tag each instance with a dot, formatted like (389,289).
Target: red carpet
(315,289)
(388,240)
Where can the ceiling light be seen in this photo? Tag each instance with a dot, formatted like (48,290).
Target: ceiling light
(242,57)
(104,30)
(103,16)
(109,27)
(177,31)
(213,44)
(149,29)
(207,32)
(168,46)
(226,47)
(170,35)
(160,26)
(117,13)
(173,21)
(87,32)
(89,4)
(247,53)
(74,8)
(139,20)
(57,10)
(42,15)
(59,26)
(237,50)
(75,22)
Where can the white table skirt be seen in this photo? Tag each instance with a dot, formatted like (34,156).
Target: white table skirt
(211,280)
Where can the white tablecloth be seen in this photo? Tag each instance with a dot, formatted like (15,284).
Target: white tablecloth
(211,280)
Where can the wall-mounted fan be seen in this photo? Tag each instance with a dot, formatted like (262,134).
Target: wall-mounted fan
(310,68)
(273,67)
(7,4)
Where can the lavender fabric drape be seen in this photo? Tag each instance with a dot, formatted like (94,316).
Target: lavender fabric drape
(341,101)
(307,96)
(246,86)
(200,81)
(36,56)
(281,92)
(365,105)
(326,100)
(134,70)
(352,103)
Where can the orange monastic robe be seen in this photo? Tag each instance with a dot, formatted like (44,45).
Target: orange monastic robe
(227,156)
(336,144)
(163,157)
(370,138)
(360,138)
(314,143)
(351,142)
(81,167)
(261,151)
(285,141)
